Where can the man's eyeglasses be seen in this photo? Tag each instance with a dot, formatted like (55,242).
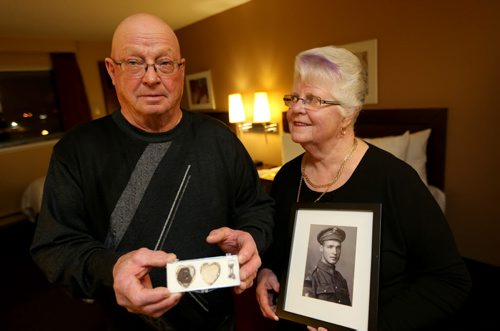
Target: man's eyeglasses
(138,68)
(310,101)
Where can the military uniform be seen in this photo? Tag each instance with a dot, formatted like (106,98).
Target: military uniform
(327,283)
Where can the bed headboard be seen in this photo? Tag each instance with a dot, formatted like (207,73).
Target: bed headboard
(387,122)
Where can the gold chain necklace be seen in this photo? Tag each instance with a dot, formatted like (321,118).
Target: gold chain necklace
(337,176)
(335,179)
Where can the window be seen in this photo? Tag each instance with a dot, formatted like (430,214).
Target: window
(29,107)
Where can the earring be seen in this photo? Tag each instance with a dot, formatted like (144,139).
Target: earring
(342,131)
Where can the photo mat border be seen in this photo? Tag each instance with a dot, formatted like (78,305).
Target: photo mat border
(292,305)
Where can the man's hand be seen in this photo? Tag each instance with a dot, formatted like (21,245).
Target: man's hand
(133,287)
(267,287)
(241,243)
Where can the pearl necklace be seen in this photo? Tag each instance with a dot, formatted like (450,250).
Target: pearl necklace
(335,179)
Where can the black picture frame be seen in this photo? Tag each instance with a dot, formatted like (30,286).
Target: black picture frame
(360,257)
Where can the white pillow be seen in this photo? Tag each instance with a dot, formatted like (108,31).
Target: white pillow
(396,145)
(417,152)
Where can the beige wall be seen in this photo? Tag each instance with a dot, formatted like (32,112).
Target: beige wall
(430,53)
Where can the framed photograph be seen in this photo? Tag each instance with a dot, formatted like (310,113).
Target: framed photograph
(366,51)
(200,92)
(332,276)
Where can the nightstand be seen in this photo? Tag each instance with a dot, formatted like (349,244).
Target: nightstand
(266,174)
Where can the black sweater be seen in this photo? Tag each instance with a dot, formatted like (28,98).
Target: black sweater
(422,276)
(92,166)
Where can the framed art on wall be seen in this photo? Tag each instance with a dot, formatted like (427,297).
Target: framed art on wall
(366,51)
(340,237)
(200,92)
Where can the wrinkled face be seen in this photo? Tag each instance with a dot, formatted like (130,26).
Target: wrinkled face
(330,250)
(148,94)
(313,126)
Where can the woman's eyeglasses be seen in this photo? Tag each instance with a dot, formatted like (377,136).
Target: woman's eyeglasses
(310,101)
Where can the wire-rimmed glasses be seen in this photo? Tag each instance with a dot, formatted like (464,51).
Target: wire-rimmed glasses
(310,101)
(138,68)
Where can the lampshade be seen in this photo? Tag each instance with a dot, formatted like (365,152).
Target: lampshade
(236,110)
(261,109)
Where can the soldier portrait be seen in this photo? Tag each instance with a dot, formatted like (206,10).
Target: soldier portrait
(326,278)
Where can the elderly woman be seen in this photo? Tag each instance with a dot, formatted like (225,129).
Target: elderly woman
(423,279)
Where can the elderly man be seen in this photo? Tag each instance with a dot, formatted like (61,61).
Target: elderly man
(327,283)
(148,184)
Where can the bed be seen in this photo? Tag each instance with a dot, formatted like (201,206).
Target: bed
(416,135)
(390,122)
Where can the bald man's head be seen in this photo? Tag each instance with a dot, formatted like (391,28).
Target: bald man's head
(143,27)
(147,70)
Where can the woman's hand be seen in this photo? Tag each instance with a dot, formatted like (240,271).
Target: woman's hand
(267,287)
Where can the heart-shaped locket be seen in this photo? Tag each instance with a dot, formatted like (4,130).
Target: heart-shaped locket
(185,275)
(210,272)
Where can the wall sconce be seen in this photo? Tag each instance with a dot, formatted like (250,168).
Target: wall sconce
(261,114)
(237,112)
(236,109)
(261,110)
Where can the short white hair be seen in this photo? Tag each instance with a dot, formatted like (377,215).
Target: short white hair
(341,71)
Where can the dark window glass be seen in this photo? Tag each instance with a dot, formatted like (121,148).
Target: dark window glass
(29,108)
